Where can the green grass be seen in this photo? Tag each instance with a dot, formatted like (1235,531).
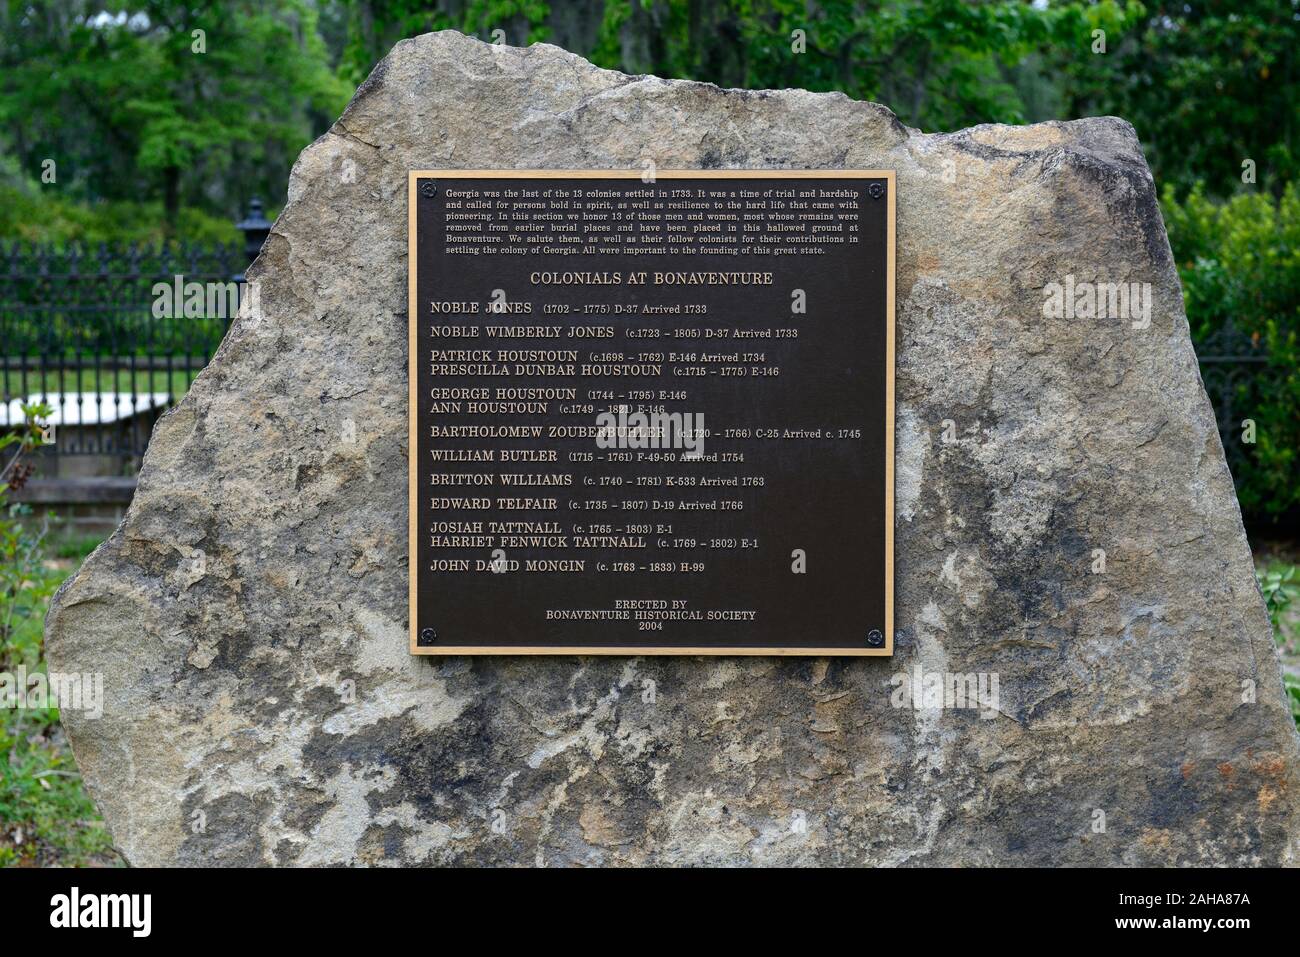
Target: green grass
(177,382)
(75,547)
(46,817)
(1280,583)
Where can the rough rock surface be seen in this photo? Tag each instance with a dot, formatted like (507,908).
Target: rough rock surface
(262,565)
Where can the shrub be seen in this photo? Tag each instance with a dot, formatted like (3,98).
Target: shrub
(1239,262)
(29,216)
(1280,584)
(45,814)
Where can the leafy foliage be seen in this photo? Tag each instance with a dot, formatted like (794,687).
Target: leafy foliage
(45,814)
(939,64)
(1280,584)
(29,217)
(19,548)
(1208,84)
(1239,262)
(43,809)
(199,103)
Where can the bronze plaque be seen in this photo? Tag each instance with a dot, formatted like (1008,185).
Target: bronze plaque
(651,417)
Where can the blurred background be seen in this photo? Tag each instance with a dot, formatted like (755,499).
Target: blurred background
(142,141)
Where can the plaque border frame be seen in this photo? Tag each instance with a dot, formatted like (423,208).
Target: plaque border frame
(413,178)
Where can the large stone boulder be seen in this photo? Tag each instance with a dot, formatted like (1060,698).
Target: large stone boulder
(249,615)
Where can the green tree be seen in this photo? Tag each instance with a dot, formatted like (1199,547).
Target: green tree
(939,64)
(1208,84)
(198,103)
(1239,262)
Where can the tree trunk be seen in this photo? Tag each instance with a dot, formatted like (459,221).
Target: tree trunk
(171,199)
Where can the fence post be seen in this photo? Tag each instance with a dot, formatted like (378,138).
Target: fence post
(255,227)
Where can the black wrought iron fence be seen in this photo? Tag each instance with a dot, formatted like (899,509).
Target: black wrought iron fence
(1236,370)
(110,336)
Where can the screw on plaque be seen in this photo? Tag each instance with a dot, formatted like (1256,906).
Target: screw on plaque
(428,188)
(875,639)
(428,636)
(876,190)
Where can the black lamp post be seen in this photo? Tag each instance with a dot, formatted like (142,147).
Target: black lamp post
(255,227)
